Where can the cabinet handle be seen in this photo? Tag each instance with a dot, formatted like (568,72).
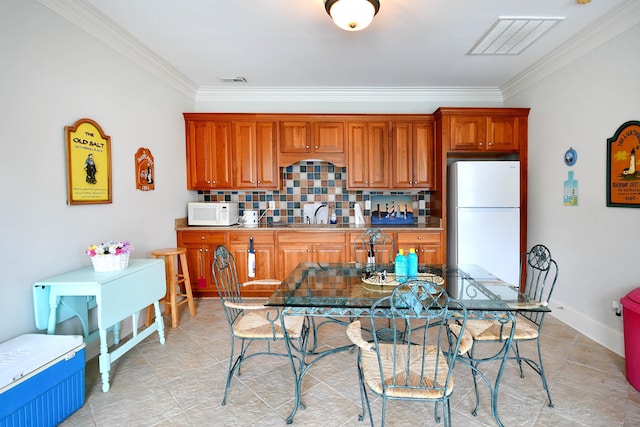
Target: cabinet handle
(491,143)
(208,182)
(316,147)
(202,237)
(259,182)
(480,144)
(419,237)
(308,250)
(307,147)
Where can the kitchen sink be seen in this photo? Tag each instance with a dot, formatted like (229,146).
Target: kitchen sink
(299,225)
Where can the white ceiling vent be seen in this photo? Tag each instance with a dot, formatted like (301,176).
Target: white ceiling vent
(233,79)
(511,35)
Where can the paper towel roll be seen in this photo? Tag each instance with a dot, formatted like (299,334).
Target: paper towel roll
(357,212)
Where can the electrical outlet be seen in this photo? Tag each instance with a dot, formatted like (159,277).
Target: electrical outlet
(616,308)
(272,204)
(367,204)
(421,204)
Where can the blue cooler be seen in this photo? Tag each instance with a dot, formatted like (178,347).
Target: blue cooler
(41,379)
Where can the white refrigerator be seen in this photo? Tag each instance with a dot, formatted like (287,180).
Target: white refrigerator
(484,216)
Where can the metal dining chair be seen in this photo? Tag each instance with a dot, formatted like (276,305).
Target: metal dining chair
(373,246)
(538,276)
(416,363)
(251,322)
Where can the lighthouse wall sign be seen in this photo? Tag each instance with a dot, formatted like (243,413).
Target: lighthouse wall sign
(623,169)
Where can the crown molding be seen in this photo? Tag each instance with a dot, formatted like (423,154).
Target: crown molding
(94,22)
(333,94)
(610,25)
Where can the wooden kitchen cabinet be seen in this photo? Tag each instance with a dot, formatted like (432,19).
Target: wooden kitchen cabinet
(200,246)
(413,154)
(295,137)
(264,247)
(254,155)
(208,154)
(308,246)
(428,245)
(368,162)
(308,138)
(484,133)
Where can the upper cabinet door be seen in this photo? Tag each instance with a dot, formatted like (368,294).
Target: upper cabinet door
(502,133)
(379,165)
(295,137)
(368,164)
(328,137)
(357,155)
(244,159)
(254,159)
(468,133)
(424,154)
(413,154)
(267,162)
(208,154)
(402,150)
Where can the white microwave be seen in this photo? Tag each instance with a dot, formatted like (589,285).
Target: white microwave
(212,214)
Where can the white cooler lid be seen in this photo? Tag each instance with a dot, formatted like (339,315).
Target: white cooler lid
(26,353)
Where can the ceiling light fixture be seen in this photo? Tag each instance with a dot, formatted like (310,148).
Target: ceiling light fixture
(352,15)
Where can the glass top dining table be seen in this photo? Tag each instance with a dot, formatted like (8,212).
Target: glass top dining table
(349,288)
(345,291)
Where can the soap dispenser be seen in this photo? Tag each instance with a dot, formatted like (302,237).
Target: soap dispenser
(400,267)
(412,264)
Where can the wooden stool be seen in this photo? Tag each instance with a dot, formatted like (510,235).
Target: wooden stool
(174,280)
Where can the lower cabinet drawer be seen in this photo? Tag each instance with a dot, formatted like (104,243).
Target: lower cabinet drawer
(419,238)
(217,237)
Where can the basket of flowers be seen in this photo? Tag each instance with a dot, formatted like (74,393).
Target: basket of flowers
(111,256)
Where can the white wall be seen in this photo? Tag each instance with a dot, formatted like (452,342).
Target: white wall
(596,246)
(53,74)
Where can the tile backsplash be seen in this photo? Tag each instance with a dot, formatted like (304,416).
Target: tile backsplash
(311,182)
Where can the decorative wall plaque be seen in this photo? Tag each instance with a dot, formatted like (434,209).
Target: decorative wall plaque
(623,176)
(88,163)
(145,173)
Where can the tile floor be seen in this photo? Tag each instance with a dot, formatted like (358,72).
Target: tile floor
(181,383)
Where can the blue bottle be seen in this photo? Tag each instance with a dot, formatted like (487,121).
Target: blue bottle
(412,264)
(400,267)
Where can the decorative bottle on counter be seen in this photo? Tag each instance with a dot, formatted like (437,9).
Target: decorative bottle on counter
(412,264)
(401,267)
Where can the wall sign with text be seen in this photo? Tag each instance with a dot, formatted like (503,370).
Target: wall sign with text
(623,176)
(144,170)
(88,163)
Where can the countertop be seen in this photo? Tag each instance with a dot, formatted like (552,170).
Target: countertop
(434,224)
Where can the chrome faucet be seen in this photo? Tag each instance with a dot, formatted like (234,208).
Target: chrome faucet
(315,214)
